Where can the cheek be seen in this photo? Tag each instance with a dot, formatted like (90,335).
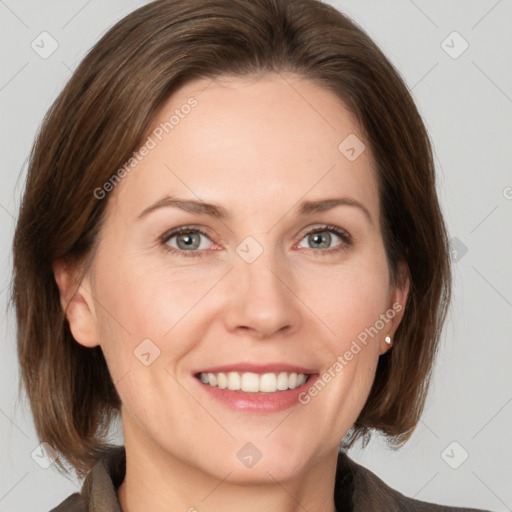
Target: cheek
(148,296)
(147,309)
(348,299)
(352,304)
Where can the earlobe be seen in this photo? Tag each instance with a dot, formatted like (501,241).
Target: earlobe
(398,301)
(386,344)
(77,303)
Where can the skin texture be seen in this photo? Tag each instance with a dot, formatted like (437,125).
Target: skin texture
(258,147)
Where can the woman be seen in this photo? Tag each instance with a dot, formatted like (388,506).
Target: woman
(230,236)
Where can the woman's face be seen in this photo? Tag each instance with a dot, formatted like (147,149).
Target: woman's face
(267,283)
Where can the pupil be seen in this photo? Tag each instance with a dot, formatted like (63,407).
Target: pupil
(188,241)
(318,238)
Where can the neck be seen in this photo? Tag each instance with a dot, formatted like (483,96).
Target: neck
(156,480)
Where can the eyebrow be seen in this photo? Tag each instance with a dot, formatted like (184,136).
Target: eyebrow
(214,210)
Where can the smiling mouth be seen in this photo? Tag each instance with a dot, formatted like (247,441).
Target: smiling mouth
(250,382)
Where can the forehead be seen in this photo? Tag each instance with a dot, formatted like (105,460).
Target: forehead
(252,145)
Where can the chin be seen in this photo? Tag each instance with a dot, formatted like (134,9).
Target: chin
(258,463)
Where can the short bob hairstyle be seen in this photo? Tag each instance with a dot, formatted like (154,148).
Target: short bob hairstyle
(103,115)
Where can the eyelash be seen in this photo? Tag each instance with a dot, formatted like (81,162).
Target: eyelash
(347,240)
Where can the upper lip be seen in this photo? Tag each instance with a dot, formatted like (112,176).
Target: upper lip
(258,368)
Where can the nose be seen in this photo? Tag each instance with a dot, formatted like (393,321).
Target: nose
(262,302)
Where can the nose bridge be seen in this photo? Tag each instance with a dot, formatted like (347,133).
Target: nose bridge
(263,278)
(262,299)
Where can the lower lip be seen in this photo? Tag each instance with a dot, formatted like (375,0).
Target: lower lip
(258,402)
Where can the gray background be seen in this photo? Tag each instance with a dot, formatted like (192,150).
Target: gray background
(466,101)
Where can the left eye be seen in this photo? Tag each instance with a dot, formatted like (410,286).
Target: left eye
(323,237)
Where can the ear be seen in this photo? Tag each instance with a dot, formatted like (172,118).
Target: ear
(77,302)
(397,302)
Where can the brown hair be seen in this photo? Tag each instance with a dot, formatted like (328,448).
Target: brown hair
(101,117)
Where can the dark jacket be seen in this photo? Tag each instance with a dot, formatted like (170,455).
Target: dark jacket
(356,490)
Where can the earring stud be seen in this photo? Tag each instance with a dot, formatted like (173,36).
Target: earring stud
(387,339)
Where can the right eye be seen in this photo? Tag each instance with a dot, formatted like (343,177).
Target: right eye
(185,241)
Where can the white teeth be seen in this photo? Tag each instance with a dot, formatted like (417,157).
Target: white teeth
(268,382)
(250,382)
(253,382)
(282,381)
(222,381)
(233,381)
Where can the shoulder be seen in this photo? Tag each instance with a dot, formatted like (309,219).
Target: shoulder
(73,503)
(99,489)
(370,493)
